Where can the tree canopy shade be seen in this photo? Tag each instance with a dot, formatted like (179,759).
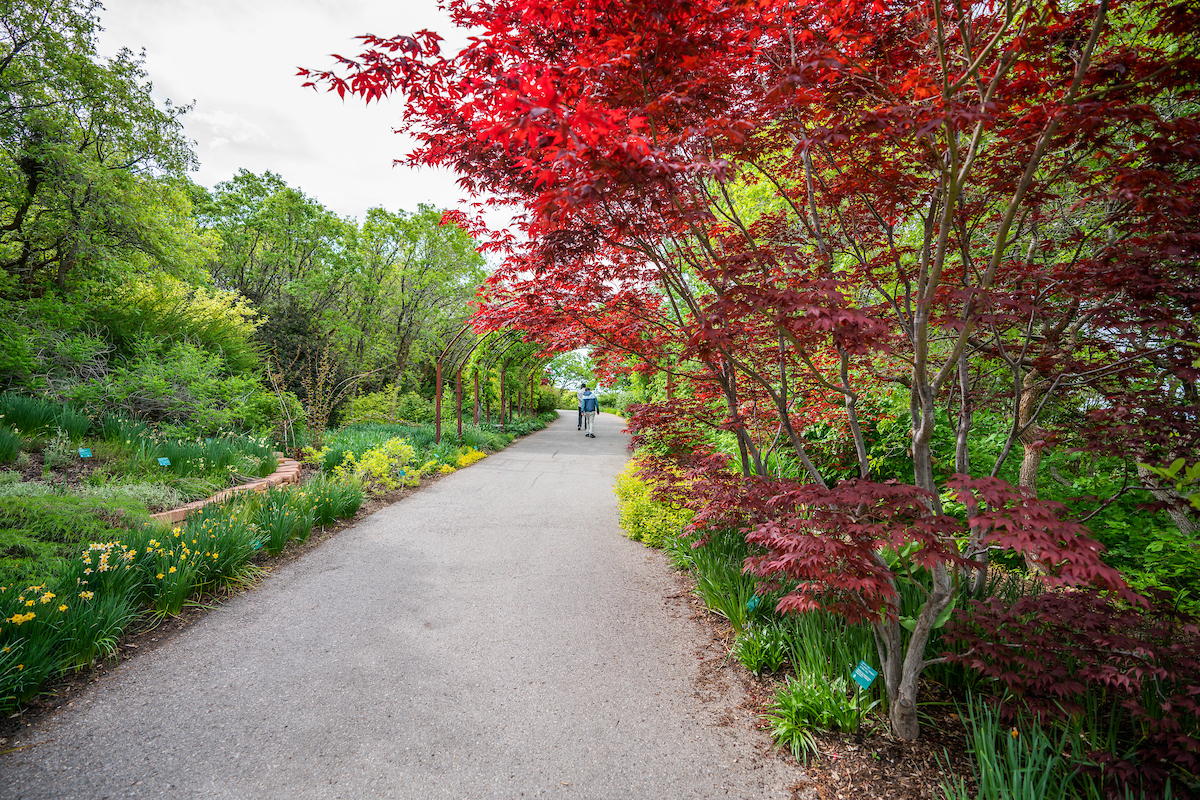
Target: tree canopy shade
(86,152)
(813,211)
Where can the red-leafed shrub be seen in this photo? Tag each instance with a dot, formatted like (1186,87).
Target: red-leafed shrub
(1064,654)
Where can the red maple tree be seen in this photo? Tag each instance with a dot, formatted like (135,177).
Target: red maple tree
(802,205)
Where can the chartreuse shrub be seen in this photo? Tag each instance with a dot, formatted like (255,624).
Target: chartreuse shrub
(350,448)
(646,520)
(380,468)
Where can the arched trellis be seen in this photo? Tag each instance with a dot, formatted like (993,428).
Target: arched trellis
(457,353)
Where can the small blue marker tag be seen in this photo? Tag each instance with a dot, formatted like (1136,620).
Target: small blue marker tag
(164,462)
(85,452)
(864,675)
(752,604)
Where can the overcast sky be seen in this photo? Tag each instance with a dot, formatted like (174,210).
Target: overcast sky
(237,59)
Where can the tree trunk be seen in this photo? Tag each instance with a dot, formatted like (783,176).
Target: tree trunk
(1033,387)
(1176,503)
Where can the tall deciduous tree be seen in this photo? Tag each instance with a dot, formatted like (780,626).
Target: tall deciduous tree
(85,150)
(414,280)
(278,246)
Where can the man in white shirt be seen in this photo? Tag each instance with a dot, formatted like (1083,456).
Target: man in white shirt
(582,388)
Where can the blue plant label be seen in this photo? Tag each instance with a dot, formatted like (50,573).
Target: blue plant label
(85,452)
(864,675)
(752,604)
(164,462)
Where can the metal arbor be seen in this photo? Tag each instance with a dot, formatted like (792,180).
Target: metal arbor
(503,348)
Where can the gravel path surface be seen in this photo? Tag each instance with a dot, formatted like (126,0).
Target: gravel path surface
(493,635)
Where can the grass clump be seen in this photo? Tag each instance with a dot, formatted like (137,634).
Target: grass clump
(807,702)
(332,499)
(10,444)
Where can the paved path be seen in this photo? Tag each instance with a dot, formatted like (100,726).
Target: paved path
(492,635)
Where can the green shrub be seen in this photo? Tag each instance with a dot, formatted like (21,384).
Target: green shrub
(169,309)
(411,407)
(376,407)
(644,519)
(182,384)
(10,444)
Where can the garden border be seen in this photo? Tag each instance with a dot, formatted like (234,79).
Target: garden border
(287,471)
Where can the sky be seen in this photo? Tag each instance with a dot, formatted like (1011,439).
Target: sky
(237,60)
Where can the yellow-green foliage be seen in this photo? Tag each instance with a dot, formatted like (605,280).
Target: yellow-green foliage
(468,456)
(644,519)
(382,467)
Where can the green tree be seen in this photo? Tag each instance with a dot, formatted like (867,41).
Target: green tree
(89,163)
(413,282)
(277,246)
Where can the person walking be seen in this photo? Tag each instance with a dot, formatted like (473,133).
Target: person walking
(582,388)
(589,404)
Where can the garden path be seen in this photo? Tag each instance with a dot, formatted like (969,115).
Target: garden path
(493,635)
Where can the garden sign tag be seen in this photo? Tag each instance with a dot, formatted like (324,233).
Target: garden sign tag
(164,462)
(85,452)
(863,675)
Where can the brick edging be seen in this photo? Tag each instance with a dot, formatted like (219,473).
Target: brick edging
(288,471)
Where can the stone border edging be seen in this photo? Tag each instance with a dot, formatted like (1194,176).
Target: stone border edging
(287,471)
